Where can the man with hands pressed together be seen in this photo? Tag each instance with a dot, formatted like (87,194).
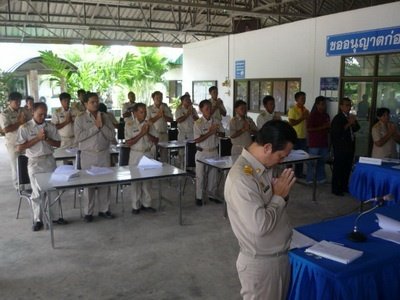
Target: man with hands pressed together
(11,119)
(206,131)
(94,132)
(140,137)
(257,212)
(38,138)
(218,109)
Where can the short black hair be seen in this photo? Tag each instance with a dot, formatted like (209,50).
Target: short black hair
(156,93)
(102,107)
(381,111)
(38,105)
(277,133)
(15,96)
(267,99)
(343,100)
(185,96)
(299,94)
(139,105)
(239,103)
(212,88)
(81,91)
(318,100)
(64,96)
(204,103)
(89,95)
(29,98)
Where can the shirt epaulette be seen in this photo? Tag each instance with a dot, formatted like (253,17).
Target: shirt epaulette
(58,110)
(199,121)
(129,123)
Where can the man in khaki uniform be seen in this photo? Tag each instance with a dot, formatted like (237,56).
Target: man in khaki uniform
(206,132)
(38,138)
(127,107)
(140,136)
(241,127)
(94,132)
(159,114)
(218,109)
(269,113)
(256,208)
(80,105)
(10,120)
(63,118)
(185,116)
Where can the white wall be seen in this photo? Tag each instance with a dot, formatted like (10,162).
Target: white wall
(291,50)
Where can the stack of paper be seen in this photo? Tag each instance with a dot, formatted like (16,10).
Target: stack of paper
(390,229)
(297,154)
(148,163)
(334,252)
(300,240)
(98,171)
(64,173)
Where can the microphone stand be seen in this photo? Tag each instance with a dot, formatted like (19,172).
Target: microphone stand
(358,236)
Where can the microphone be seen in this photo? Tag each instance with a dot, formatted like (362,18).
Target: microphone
(358,236)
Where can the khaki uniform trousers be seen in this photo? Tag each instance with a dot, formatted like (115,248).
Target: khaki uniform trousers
(13,162)
(212,174)
(263,278)
(36,165)
(140,191)
(98,159)
(67,142)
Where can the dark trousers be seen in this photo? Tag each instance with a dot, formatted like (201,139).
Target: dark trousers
(301,144)
(342,164)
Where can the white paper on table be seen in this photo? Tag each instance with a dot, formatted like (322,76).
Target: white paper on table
(334,252)
(64,173)
(297,154)
(71,150)
(217,160)
(98,171)
(148,163)
(390,229)
(300,240)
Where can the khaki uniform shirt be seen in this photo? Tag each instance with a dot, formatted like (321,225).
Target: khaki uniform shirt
(217,114)
(236,124)
(265,116)
(160,125)
(91,138)
(29,131)
(187,125)
(78,106)
(9,117)
(59,117)
(132,129)
(201,127)
(258,218)
(128,106)
(387,150)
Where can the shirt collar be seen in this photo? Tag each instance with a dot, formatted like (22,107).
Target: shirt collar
(257,167)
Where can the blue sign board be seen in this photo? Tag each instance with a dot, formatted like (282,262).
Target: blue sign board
(329,83)
(240,69)
(377,40)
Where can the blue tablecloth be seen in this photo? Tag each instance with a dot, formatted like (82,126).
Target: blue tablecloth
(375,275)
(368,181)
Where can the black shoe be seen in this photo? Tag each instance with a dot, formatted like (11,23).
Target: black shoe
(106,215)
(340,194)
(148,209)
(199,202)
(60,221)
(37,226)
(88,218)
(135,211)
(215,200)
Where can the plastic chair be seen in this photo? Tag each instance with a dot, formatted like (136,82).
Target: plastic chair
(23,179)
(190,162)
(225,146)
